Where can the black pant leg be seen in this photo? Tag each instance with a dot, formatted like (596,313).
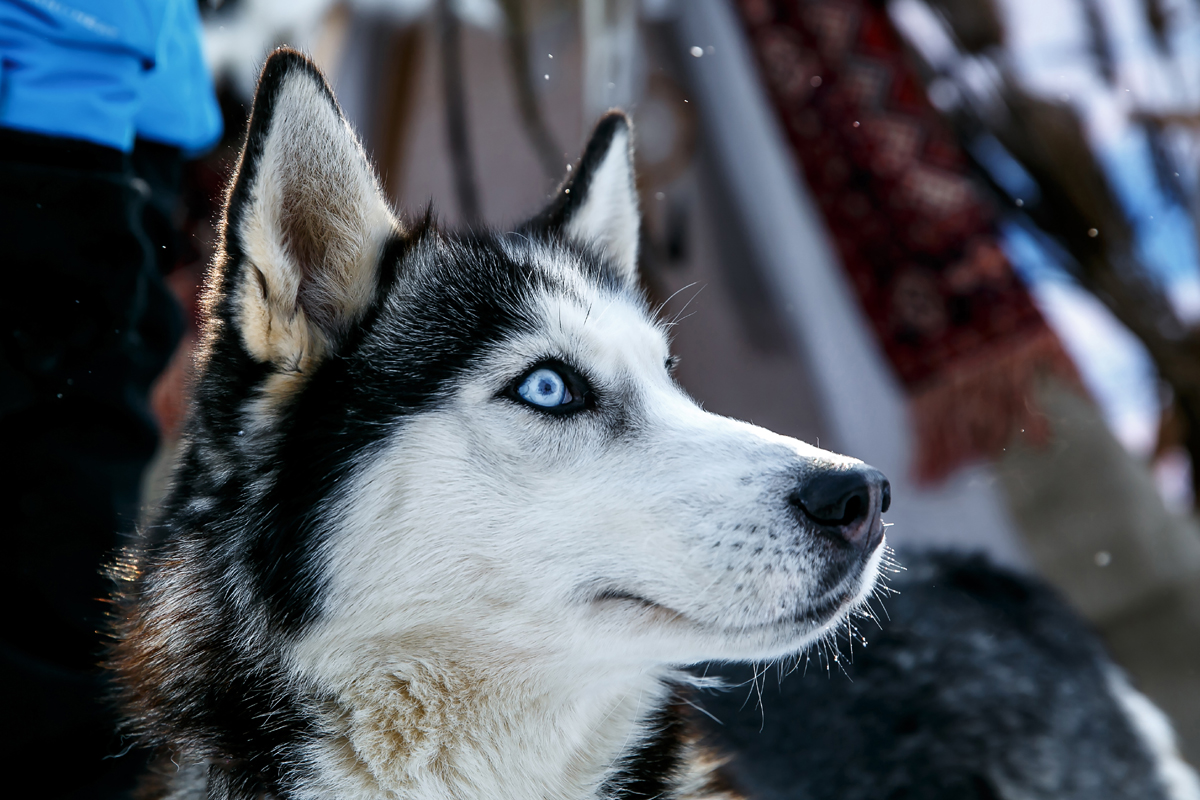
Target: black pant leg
(85,327)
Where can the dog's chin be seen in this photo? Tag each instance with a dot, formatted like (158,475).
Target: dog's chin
(808,624)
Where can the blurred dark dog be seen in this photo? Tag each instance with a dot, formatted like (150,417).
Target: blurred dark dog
(981,685)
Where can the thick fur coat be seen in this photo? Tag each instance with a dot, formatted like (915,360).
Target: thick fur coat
(442,524)
(444,527)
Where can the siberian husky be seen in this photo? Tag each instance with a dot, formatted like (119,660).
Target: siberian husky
(443,525)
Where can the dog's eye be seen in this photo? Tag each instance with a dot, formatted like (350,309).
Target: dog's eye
(552,386)
(544,388)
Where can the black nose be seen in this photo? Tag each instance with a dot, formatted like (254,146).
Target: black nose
(840,501)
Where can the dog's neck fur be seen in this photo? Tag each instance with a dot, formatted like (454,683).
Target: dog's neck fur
(424,729)
(491,724)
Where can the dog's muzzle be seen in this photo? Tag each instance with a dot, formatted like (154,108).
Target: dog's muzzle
(845,504)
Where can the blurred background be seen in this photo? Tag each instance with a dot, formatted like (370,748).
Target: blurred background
(956,239)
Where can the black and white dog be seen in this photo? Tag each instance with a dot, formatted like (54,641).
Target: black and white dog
(442,524)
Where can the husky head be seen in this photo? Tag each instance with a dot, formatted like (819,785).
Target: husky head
(483,431)
(415,447)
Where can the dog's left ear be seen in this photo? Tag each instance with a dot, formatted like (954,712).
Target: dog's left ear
(598,205)
(305,221)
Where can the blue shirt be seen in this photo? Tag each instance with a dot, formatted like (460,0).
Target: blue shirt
(107,71)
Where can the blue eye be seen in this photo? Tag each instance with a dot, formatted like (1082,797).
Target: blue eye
(552,387)
(544,388)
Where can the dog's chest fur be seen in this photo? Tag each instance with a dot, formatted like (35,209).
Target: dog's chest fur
(426,734)
(413,729)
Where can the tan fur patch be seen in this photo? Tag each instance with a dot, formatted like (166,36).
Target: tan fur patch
(449,729)
(403,724)
(274,334)
(702,777)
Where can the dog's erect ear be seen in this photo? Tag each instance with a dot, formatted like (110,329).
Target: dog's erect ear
(304,223)
(598,205)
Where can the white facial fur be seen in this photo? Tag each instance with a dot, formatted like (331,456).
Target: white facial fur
(486,500)
(1178,778)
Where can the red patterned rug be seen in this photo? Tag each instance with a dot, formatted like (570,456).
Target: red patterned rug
(916,237)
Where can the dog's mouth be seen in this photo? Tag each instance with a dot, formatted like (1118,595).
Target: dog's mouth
(656,610)
(850,592)
(620,596)
(812,616)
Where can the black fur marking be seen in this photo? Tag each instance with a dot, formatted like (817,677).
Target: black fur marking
(651,770)
(320,436)
(418,338)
